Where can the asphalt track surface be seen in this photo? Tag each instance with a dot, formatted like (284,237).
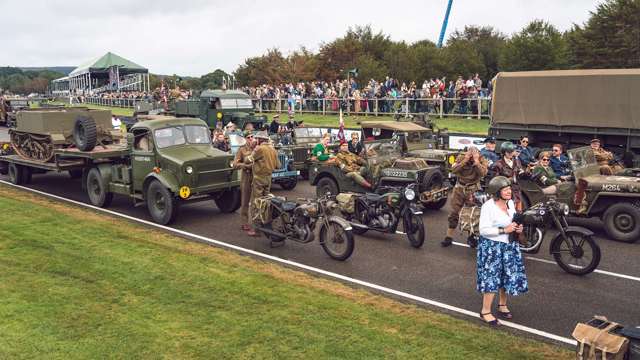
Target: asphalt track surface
(555,303)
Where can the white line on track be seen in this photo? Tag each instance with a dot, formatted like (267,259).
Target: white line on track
(308,268)
(603,272)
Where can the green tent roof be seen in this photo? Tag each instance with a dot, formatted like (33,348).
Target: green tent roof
(104,62)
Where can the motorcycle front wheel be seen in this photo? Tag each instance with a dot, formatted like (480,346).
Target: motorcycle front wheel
(336,240)
(414,229)
(578,255)
(534,236)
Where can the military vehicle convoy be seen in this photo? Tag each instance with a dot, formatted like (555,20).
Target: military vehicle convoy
(570,107)
(225,106)
(164,163)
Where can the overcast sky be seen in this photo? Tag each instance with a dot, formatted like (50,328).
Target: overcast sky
(194,37)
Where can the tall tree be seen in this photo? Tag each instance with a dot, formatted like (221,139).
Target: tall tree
(609,39)
(487,41)
(539,46)
(266,69)
(463,59)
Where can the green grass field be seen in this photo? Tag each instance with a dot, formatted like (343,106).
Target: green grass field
(454,124)
(80,285)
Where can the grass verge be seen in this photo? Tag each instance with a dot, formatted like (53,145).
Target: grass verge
(81,285)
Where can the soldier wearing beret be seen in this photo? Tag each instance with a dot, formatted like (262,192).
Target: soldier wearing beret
(352,165)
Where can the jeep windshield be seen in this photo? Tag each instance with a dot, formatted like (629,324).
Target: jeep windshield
(180,135)
(382,151)
(581,157)
(307,135)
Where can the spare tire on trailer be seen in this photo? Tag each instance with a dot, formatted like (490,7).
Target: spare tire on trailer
(85,133)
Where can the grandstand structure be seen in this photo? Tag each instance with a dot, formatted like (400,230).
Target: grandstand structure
(109,72)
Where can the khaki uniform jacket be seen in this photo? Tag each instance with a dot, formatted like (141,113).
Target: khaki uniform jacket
(241,160)
(265,160)
(349,162)
(602,156)
(469,173)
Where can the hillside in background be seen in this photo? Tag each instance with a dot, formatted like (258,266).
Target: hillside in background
(59,69)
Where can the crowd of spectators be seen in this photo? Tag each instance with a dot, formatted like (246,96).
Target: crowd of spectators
(386,96)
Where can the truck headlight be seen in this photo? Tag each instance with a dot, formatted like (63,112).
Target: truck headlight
(189,169)
(409,194)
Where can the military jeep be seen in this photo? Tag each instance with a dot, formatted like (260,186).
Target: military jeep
(613,199)
(386,167)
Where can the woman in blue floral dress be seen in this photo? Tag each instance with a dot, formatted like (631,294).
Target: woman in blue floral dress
(500,265)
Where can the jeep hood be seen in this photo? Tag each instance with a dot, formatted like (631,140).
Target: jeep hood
(612,183)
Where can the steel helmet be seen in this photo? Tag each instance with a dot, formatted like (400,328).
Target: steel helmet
(497,184)
(507,147)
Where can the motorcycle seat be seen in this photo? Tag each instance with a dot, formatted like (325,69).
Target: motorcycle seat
(373,197)
(283,203)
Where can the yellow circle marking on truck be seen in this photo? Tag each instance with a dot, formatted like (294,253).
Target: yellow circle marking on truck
(185,192)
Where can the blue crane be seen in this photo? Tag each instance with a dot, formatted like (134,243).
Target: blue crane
(444,24)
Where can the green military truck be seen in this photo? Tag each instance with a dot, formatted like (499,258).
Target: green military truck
(164,163)
(225,106)
(570,107)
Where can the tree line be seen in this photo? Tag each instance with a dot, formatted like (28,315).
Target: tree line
(610,38)
(17,81)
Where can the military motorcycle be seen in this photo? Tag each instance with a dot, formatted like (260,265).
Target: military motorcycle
(384,212)
(280,220)
(573,247)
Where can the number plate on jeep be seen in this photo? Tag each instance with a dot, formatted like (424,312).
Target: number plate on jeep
(395,173)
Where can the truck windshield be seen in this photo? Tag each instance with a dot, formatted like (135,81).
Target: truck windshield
(179,135)
(235,103)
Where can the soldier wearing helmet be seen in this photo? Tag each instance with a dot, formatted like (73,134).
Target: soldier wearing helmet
(469,170)
(511,168)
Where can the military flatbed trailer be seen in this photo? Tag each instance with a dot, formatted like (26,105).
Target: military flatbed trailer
(165,163)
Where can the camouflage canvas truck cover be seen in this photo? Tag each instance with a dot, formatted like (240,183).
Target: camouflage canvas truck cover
(570,107)
(39,132)
(613,199)
(223,106)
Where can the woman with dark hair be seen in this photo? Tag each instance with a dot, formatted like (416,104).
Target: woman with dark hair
(500,268)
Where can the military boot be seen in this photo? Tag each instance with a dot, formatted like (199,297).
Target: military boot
(448,240)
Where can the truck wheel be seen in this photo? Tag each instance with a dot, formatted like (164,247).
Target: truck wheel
(622,222)
(289,184)
(433,182)
(97,189)
(85,133)
(326,185)
(162,205)
(15,174)
(229,201)
(75,173)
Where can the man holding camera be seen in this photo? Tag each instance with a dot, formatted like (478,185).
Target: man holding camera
(469,170)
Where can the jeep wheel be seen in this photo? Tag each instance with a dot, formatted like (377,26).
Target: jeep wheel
(97,189)
(229,201)
(622,222)
(434,182)
(85,133)
(326,185)
(289,184)
(162,205)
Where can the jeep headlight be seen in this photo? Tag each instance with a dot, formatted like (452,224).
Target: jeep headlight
(189,170)
(452,159)
(409,194)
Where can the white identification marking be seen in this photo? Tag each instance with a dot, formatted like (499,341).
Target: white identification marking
(347,279)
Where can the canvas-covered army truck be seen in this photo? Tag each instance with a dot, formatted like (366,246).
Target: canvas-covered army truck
(570,107)
(225,106)
(164,163)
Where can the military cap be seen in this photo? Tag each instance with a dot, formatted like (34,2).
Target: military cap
(595,140)
(247,133)
(490,139)
(276,116)
(261,135)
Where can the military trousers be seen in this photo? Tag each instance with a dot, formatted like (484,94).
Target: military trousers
(358,176)
(260,186)
(460,196)
(246,179)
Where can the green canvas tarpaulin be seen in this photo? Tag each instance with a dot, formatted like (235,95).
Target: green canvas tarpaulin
(106,61)
(594,98)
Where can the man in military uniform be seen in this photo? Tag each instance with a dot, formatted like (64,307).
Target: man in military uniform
(510,167)
(264,159)
(489,151)
(469,170)
(242,163)
(604,158)
(352,165)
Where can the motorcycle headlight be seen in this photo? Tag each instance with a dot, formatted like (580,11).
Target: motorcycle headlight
(409,194)
(565,209)
(189,169)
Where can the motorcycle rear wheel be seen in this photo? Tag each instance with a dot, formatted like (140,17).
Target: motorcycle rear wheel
(576,260)
(336,241)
